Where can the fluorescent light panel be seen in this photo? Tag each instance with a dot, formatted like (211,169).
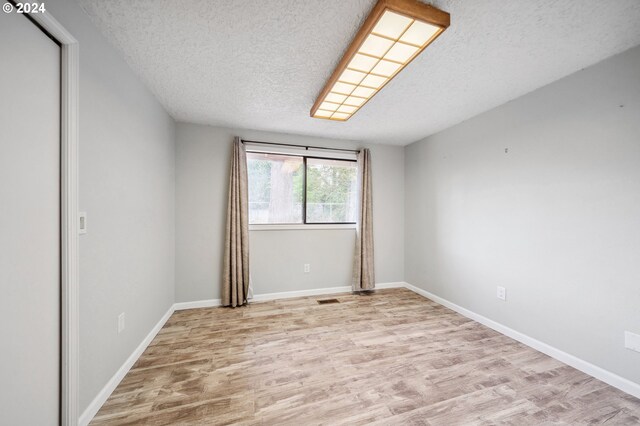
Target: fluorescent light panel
(387,47)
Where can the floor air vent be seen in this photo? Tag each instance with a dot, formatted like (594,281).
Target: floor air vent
(325,301)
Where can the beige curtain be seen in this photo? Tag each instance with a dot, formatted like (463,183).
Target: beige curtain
(363,271)
(235,282)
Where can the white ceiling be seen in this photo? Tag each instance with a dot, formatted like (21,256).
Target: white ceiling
(259,64)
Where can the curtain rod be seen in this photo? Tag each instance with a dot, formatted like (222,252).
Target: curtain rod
(301,146)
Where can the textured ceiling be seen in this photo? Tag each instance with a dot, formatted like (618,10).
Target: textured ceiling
(260,64)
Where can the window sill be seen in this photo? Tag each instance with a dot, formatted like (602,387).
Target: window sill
(301,227)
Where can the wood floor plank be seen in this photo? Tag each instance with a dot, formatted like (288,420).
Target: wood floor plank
(391,357)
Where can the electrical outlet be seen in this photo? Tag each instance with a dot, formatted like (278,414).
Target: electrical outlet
(120,323)
(501,293)
(632,341)
(307,268)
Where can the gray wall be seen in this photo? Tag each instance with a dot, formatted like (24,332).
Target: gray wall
(277,257)
(127,175)
(29,224)
(556,220)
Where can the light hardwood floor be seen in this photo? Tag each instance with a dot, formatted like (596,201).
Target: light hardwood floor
(389,358)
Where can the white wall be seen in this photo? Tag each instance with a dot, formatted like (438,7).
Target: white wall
(127,175)
(277,257)
(556,220)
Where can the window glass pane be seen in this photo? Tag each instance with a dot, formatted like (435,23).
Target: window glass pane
(331,191)
(275,188)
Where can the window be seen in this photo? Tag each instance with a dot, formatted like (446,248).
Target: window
(289,189)
(331,191)
(275,188)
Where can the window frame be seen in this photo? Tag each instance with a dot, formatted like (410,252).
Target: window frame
(304,224)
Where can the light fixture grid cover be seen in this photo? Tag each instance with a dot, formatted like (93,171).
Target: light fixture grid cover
(403,12)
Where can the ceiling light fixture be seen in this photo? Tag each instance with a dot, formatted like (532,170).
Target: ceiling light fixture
(394,33)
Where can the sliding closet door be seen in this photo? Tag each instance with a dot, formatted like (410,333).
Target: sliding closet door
(29,224)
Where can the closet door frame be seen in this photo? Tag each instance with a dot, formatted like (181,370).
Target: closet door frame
(69,224)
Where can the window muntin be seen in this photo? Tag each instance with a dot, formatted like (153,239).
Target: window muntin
(290,189)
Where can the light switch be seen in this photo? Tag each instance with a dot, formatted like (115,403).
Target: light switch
(82,225)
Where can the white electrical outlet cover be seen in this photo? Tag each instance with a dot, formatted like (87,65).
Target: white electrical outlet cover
(501,293)
(632,341)
(121,323)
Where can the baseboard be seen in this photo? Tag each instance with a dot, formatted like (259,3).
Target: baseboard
(318,292)
(382,286)
(208,303)
(586,367)
(300,293)
(111,385)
